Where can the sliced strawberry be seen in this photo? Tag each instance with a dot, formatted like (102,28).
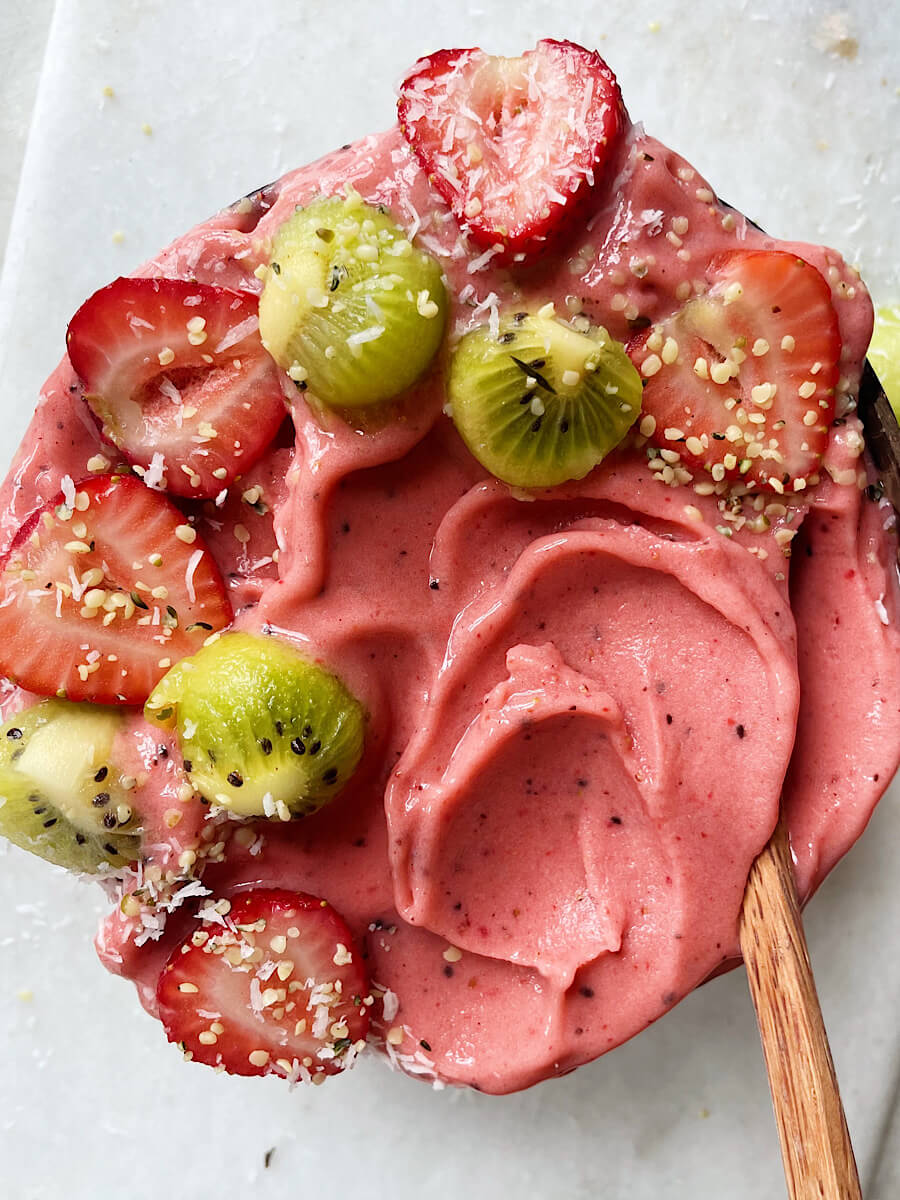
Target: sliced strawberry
(177,376)
(741,380)
(513,144)
(97,600)
(276,985)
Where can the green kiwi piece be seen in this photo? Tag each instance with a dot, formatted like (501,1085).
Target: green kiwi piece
(263,731)
(539,403)
(61,795)
(350,308)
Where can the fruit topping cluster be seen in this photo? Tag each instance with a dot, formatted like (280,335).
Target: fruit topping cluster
(113,608)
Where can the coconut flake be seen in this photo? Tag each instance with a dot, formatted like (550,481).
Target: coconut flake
(479,263)
(188,892)
(390,1005)
(169,390)
(78,589)
(153,476)
(365,335)
(153,926)
(193,563)
(236,334)
(320,1024)
(490,301)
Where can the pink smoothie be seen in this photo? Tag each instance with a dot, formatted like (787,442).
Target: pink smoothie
(584,704)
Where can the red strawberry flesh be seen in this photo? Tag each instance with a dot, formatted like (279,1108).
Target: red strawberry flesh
(177,376)
(69,569)
(513,145)
(272,984)
(741,380)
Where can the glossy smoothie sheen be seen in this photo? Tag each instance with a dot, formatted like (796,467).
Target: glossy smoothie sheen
(583,704)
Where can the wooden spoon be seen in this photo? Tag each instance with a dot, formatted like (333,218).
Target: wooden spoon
(815,1142)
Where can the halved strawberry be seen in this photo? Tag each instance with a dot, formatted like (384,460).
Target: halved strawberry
(741,380)
(513,144)
(97,600)
(177,376)
(275,984)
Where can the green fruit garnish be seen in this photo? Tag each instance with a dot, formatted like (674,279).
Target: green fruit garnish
(263,731)
(884,353)
(538,403)
(61,795)
(350,308)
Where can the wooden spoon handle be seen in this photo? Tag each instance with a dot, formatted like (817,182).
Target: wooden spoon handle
(815,1142)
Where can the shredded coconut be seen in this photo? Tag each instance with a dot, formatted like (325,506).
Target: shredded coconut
(153,476)
(479,263)
(68,491)
(365,335)
(169,390)
(193,563)
(390,1005)
(78,589)
(237,333)
(188,892)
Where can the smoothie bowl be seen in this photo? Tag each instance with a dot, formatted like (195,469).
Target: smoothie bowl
(425,579)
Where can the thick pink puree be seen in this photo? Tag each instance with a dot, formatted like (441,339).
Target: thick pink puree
(583,703)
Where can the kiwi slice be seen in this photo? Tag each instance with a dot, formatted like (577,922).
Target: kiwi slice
(61,795)
(539,403)
(884,353)
(263,731)
(350,308)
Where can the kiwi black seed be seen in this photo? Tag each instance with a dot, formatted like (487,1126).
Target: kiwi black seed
(350,308)
(539,403)
(61,795)
(263,731)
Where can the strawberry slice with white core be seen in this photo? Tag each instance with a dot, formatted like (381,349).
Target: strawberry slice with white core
(102,590)
(741,381)
(513,144)
(271,983)
(177,376)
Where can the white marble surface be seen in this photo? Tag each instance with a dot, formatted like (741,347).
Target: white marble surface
(805,141)
(23,39)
